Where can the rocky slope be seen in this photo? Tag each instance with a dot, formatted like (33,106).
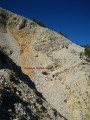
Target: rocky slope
(19,98)
(51,61)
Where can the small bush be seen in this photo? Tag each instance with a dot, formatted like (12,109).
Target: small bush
(62,34)
(66,47)
(39,23)
(45,73)
(87,50)
(81,54)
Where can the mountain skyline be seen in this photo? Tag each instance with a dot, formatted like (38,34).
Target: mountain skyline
(69,17)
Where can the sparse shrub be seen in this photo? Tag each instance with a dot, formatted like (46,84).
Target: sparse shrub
(11,52)
(81,54)
(50,67)
(62,34)
(39,101)
(43,109)
(14,18)
(45,73)
(39,23)
(66,47)
(87,50)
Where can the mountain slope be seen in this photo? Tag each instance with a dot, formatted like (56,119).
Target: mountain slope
(51,61)
(19,99)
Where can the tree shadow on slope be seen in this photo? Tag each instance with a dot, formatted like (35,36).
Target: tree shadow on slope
(7,63)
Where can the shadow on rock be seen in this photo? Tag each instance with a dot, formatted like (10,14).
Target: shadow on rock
(7,63)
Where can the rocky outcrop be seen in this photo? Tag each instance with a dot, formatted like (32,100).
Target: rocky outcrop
(52,62)
(19,99)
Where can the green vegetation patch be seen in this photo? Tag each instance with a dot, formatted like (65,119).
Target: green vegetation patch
(87,50)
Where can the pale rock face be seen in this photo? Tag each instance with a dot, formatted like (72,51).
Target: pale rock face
(64,79)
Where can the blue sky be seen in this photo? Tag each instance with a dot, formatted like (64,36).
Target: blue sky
(71,17)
